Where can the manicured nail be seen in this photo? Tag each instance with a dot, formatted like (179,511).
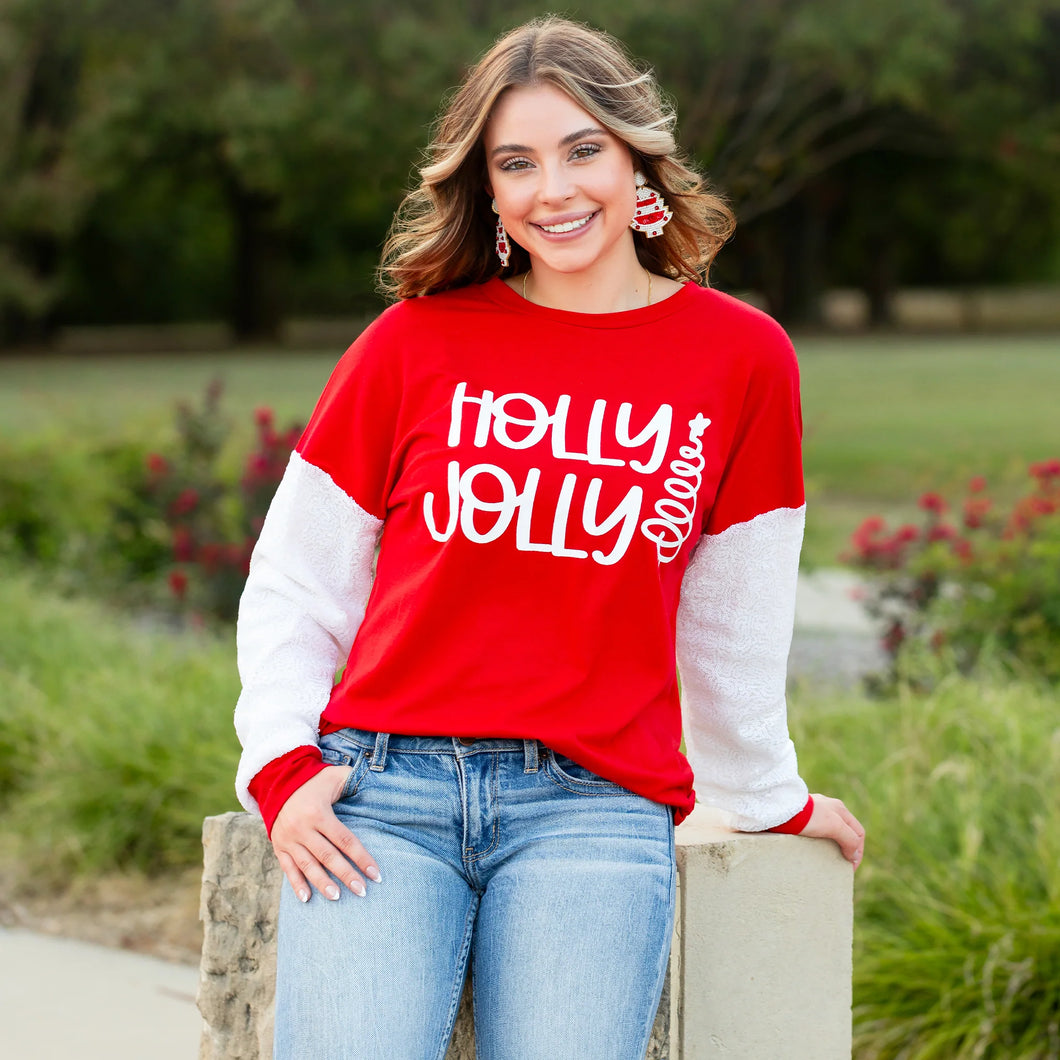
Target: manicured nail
(373,873)
(303,896)
(332,892)
(358,888)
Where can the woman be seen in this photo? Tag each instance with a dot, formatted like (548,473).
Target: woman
(578,464)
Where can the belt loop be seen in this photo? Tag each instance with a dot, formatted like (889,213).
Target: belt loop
(530,756)
(382,742)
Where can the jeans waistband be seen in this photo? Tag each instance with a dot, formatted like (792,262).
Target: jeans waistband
(381,744)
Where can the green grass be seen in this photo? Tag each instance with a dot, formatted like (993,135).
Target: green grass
(115,738)
(886,418)
(957,914)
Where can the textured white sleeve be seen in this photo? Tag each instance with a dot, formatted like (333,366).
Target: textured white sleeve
(304,600)
(734,627)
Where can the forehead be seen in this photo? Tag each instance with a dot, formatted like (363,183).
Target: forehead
(537,116)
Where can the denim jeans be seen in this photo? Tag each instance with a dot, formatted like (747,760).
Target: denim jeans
(555,886)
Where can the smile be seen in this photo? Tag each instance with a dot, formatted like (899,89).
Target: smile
(567,226)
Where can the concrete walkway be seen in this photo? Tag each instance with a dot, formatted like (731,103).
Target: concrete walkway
(61,998)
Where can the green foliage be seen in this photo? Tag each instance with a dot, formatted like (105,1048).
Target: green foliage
(54,498)
(115,739)
(175,161)
(184,506)
(948,595)
(957,914)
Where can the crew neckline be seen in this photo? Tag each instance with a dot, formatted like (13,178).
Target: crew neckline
(625,318)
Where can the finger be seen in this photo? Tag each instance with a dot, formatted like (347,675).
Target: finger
(312,862)
(851,820)
(299,884)
(353,850)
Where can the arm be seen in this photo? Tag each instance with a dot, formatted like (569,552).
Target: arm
(305,597)
(737,611)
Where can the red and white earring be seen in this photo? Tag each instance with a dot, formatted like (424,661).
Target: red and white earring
(504,248)
(652,213)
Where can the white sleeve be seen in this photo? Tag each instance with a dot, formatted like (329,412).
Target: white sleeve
(305,597)
(734,627)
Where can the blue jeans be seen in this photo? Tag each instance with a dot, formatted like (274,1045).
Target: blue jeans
(555,885)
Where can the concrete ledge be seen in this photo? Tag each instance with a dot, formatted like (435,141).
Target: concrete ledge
(760,968)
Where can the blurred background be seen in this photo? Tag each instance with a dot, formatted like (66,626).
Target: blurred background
(193,196)
(240,160)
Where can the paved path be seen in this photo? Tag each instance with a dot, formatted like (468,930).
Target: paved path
(61,998)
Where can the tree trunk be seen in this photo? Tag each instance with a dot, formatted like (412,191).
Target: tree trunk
(794,277)
(255,304)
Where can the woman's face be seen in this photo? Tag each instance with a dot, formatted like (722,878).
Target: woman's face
(562,183)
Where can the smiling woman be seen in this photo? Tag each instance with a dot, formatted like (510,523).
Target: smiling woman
(582,471)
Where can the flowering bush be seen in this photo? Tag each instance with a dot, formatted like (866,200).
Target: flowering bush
(959,584)
(210,523)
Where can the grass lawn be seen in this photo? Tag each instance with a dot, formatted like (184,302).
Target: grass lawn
(886,417)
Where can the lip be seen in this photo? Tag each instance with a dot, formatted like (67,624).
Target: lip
(566,218)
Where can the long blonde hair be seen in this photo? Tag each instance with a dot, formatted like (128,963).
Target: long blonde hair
(443,233)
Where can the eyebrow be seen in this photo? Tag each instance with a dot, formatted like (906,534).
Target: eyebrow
(503,149)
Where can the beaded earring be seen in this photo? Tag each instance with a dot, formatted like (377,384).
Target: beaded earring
(652,213)
(504,248)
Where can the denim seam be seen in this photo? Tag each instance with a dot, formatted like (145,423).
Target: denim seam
(470,859)
(459,979)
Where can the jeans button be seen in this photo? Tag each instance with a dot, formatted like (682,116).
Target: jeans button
(467,741)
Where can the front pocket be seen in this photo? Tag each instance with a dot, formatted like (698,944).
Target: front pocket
(571,776)
(359,761)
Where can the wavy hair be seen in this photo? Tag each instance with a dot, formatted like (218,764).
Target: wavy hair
(443,232)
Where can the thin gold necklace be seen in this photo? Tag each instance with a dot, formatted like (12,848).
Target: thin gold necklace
(646,273)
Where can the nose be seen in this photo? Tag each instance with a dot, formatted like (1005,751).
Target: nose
(556,184)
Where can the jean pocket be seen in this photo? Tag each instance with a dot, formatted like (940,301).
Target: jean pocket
(345,755)
(571,776)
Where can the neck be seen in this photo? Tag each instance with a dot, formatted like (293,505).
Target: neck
(613,291)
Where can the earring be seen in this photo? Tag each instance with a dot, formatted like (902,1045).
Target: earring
(652,213)
(504,248)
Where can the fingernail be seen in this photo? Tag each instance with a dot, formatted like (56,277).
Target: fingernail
(373,873)
(358,888)
(303,896)
(332,892)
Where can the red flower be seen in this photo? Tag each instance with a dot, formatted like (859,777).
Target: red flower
(186,502)
(263,416)
(183,544)
(932,502)
(962,549)
(178,583)
(157,464)
(975,511)
(906,533)
(942,532)
(977,484)
(1046,470)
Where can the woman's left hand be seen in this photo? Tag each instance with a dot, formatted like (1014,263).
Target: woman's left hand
(832,820)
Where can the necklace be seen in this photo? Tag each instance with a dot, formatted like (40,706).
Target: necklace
(646,273)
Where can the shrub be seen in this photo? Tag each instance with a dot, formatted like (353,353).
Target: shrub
(957,923)
(115,739)
(186,508)
(949,592)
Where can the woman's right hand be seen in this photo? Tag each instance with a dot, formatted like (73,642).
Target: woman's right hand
(310,841)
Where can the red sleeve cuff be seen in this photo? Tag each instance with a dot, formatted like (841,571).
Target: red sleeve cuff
(276,782)
(797,823)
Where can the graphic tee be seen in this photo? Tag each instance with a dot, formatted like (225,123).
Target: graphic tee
(566,506)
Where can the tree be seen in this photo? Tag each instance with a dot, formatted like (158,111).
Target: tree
(42,192)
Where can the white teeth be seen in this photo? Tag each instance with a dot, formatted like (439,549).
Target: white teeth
(569,226)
